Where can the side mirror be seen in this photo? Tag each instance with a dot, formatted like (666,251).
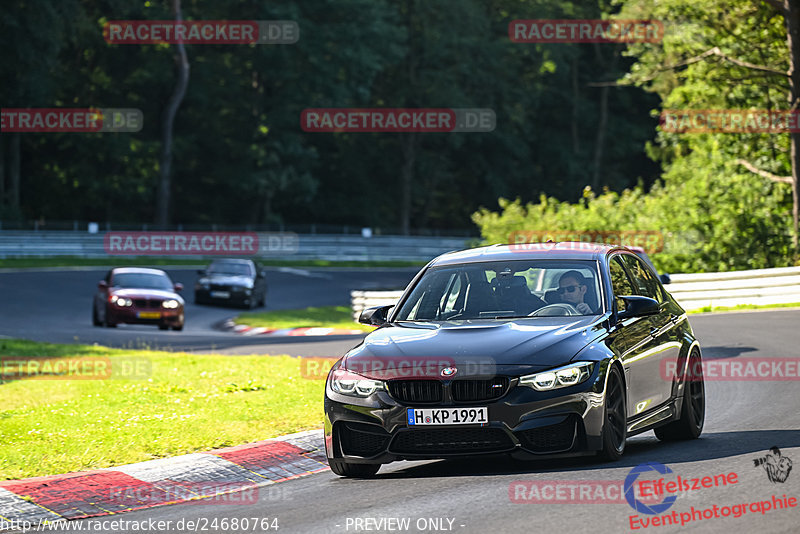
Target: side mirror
(262,274)
(375,316)
(665,279)
(636,306)
(102,284)
(201,271)
(178,287)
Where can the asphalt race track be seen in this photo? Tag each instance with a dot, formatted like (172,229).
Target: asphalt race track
(743,420)
(55,306)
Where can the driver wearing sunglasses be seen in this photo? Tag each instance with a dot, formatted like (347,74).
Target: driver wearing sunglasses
(572,289)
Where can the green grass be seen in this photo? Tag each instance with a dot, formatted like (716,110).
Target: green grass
(184,403)
(325,316)
(707,309)
(73,261)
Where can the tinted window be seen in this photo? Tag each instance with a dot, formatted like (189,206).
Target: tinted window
(142,281)
(453,297)
(620,283)
(238,269)
(494,290)
(644,281)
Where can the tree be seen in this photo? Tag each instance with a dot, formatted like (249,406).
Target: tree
(165,167)
(727,54)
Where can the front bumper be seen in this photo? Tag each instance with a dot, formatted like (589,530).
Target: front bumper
(131,315)
(523,422)
(236,295)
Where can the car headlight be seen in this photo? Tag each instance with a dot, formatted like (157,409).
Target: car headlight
(121,301)
(170,304)
(562,377)
(349,383)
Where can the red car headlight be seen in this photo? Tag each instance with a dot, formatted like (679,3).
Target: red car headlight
(122,302)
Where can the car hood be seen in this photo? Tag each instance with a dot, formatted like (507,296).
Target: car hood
(146,293)
(228,280)
(486,347)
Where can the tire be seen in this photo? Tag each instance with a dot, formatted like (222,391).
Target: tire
(345,469)
(106,323)
(178,328)
(693,411)
(163,327)
(615,417)
(95,319)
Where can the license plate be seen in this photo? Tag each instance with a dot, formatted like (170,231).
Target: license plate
(149,315)
(220,294)
(447,416)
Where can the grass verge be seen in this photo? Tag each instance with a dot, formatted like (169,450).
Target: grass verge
(182,403)
(708,309)
(324,316)
(73,261)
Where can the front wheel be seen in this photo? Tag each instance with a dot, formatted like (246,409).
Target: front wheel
(693,411)
(346,469)
(106,322)
(95,319)
(615,420)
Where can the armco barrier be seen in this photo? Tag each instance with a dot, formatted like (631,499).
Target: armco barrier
(286,246)
(692,291)
(361,300)
(758,286)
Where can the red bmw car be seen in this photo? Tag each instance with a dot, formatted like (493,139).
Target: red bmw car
(136,295)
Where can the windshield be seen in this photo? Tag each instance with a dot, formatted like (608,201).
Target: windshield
(240,269)
(142,281)
(497,290)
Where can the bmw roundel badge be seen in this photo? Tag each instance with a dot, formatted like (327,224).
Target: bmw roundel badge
(449,371)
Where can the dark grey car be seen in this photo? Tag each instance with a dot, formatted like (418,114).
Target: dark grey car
(231,281)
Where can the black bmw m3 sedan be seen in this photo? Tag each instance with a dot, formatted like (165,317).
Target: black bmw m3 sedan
(533,350)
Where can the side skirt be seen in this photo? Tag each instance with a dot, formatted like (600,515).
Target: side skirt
(659,416)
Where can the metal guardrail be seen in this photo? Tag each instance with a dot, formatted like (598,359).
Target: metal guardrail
(758,286)
(361,300)
(279,246)
(692,291)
